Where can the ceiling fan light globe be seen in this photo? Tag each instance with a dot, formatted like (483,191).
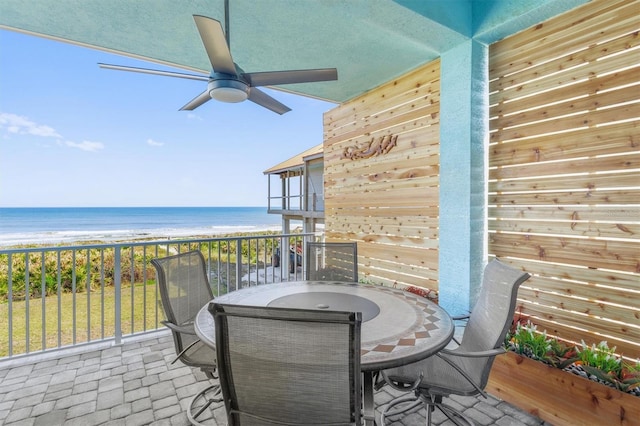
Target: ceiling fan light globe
(231,91)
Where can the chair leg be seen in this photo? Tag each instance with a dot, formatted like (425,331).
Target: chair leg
(454,415)
(209,395)
(412,401)
(430,403)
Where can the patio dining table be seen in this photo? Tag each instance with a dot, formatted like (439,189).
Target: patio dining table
(398,327)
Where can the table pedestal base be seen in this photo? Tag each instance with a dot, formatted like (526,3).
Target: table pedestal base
(369,409)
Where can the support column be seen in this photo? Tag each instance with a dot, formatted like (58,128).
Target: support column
(464,136)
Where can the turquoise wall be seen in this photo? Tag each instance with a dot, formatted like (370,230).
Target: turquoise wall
(464,137)
(464,132)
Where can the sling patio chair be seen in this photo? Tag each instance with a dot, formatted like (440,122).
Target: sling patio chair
(329,261)
(184,290)
(273,373)
(465,369)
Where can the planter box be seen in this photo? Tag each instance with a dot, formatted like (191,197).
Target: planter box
(559,397)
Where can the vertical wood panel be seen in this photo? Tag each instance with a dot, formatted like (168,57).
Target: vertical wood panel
(564,187)
(388,202)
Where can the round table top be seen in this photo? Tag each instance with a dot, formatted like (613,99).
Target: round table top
(398,327)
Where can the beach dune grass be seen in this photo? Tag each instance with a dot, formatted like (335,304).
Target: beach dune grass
(51,271)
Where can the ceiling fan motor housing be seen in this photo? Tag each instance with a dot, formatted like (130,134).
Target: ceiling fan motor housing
(228,88)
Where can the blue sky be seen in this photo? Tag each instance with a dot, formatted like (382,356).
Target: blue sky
(73,134)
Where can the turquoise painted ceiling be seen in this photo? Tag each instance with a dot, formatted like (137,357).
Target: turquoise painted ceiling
(369,41)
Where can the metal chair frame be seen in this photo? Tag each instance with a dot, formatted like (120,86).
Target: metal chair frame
(274,370)
(184,331)
(483,339)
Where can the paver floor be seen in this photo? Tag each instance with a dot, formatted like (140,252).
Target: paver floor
(136,384)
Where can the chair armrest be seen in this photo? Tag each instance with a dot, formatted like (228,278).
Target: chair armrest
(462,373)
(403,387)
(477,354)
(463,317)
(184,328)
(460,317)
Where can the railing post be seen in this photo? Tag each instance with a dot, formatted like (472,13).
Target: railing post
(117,285)
(238,262)
(283,258)
(10,302)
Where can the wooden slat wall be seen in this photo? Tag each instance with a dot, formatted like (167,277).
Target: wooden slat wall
(564,188)
(388,203)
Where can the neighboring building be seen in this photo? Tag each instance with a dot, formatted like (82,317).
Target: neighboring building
(296,190)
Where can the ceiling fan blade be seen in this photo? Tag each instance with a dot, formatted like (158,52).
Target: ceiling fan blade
(155,72)
(274,78)
(262,99)
(215,44)
(197,101)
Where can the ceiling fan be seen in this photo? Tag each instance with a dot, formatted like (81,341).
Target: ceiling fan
(227,82)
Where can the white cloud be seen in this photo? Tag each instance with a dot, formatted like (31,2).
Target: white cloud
(86,145)
(18,124)
(193,116)
(151,142)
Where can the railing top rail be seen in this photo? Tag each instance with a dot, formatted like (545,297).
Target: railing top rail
(38,249)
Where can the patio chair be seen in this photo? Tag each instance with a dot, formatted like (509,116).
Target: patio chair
(332,261)
(184,290)
(272,373)
(465,369)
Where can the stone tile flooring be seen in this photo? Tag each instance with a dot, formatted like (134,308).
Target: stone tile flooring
(136,384)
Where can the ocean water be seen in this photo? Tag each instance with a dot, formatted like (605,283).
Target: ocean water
(67,225)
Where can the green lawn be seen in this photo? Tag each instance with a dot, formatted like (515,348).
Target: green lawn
(88,309)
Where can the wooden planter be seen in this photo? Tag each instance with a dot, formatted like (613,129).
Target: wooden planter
(559,397)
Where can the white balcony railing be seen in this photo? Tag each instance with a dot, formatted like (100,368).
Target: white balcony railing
(296,203)
(63,296)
